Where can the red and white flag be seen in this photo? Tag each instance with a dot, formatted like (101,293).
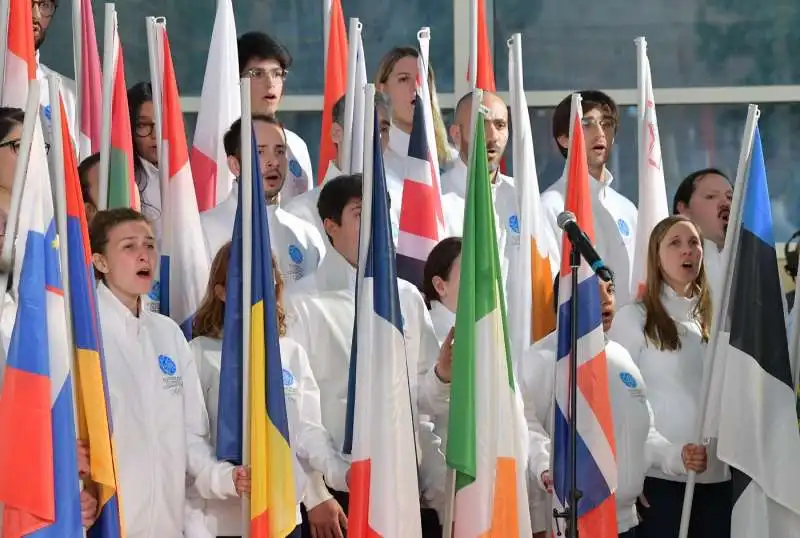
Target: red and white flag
(20,66)
(653,207)
(90,85)
(335,84)
(220,106)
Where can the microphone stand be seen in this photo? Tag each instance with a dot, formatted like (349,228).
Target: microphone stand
(570,513)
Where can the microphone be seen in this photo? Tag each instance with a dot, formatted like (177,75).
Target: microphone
(580,241)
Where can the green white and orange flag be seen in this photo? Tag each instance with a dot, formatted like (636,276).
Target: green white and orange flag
(122,190)
(487,432)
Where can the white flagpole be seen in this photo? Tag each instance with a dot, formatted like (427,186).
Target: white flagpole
(109,52)
(641,104)
(155,56)
(77,51)
(246,184)
(4,11)
(720,304)
(326,18)
(473,43)
(354,35)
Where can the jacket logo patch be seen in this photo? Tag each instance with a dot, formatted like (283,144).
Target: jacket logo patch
(294,168)
(155,291)
(289,385)
(513,223)
(167,365)
(171,381)
(628,379)
(295,254)
(624,229)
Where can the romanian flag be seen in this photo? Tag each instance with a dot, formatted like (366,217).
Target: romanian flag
(530,308)
(90,85)
(487,427)
(94,417)
(272,498)
(122,189)
(20,67)
(38,456)
(596,452)
(335,83)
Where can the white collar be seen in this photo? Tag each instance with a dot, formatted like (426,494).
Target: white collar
(119,311)
(680,308)
(336,273)
(271,208)
(398,140)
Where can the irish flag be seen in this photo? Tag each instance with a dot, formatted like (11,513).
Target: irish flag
(487,430)
(122,189)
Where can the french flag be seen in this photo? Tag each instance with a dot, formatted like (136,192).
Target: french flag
(20,66)
(596,452)
(220,106)
(38,455)
(184,263)
(384,492)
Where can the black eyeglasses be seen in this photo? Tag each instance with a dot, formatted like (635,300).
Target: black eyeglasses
(46,7)
(145,129)
(16,143)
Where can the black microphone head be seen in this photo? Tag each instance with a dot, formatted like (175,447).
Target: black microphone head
(565,218)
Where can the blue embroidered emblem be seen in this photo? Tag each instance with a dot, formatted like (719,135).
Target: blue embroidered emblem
(48,113)
(513,223)
(155,292)
(623,227)
(628,379)
(295,254)
(294,168)
(288,378)
(167,365)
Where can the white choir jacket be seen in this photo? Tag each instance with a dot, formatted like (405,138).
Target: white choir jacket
(69,92)
(295,242)
(305,205)
(300,174)
(320,314)
(160,420)
(639,444)
(309,440)
(443,320)
(615,219)
(674,378)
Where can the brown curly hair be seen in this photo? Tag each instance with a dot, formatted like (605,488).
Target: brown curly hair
(210,317)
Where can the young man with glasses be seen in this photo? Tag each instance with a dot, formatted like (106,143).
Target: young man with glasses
(42,15)
(614,215)
(266,62)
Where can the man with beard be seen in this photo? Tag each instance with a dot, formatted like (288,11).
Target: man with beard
(296,244)
(454,181)
(705,197)
(614,215)
(43,12)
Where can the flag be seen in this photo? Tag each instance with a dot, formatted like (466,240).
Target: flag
(183,273)
(596,452)
(483,50)
(90,84)
(272,496)
(38,456)
(20,66)
(357,144)
(220,106)
(421,217)
(335,84)
(94,418)
(653,207)
(530,307)
(122,188)
(487,428)
(757,432)
(384,491)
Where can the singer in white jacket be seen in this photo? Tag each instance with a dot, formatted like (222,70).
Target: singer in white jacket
(160,421)
(309,440)
(638,443)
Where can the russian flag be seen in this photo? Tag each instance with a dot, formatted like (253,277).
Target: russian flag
(20,66)
(90,85)
(596,452)
(384,492)
(272,496)
(90,371)
(184,263)
(38,456)
(219,108)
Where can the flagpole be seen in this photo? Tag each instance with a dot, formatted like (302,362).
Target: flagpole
(154,52)
(20,177)
(77,49)
(354,36)
(60,198)
(720,304)
(4,11)
(641,104)
(246,184)
(327,5)
(109,48)
(473,44)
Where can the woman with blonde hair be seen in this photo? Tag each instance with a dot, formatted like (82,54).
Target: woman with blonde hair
(666,332)
(397,77)
(309,439)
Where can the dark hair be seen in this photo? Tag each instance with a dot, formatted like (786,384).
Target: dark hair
(439,263)
(338,111)
(138,94)
(687,186)
(336,194)
(558,279)
(10,117)
(104,222)
(591,100)
(83,175)
(792,256)
(232,141)
(260,46)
